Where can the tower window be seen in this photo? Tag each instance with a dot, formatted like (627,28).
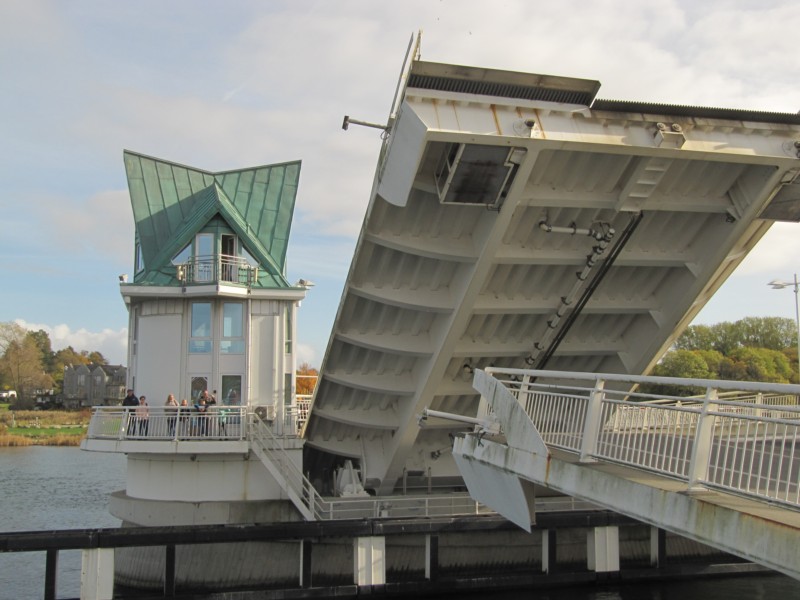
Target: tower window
(232,341)
(200,341)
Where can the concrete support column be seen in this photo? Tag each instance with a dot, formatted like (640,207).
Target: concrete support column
(97,574)
(305,563)
(369,555)
(658,547)
(602,549)
(549,556)
(431,557)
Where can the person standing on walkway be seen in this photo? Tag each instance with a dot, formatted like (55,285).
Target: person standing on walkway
(130,403)
(143,416)
(184,418)
(171,408)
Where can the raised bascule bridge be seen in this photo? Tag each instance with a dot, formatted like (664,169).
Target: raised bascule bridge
(528,253)
(517,222)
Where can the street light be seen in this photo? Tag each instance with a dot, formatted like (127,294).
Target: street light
(777,284)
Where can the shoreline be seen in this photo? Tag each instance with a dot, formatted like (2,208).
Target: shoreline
(20,428)
(19,441)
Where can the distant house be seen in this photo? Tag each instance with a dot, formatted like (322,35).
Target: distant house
(94,385)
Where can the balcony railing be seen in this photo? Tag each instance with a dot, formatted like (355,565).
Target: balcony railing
(216,268)
(165,423)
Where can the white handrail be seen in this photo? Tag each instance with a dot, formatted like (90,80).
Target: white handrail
(749,445)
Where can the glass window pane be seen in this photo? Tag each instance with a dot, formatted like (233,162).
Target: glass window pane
(139,258)
(231,319)
(182,256)
(199,346)
(198,386)
(231,390)
(204,245)
(231,346)
(288,328)
(248,257)
(201,319)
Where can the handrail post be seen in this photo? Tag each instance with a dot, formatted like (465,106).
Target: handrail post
(50,574)
(591,427)
(123,424)
(703,436)
(169,571)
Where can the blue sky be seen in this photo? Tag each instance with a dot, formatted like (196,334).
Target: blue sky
(226,85)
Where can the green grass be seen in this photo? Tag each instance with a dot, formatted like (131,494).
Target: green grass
(3,406)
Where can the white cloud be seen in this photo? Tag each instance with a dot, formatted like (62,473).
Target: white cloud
(306,354)
(252,83)
(111,344)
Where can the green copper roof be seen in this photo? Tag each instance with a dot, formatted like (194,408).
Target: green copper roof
(171,203)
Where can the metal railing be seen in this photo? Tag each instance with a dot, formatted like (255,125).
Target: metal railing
(272,451)
(749,445)
(219,267)
(168,423)
(303,406)
(238,423)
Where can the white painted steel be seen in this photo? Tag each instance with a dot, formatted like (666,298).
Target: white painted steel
(760,531)
(730,445)
(437,288)
(97,574)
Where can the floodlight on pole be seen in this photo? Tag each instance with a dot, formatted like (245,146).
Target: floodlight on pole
(777,284)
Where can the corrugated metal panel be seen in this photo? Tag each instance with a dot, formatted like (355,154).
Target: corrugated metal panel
(502,90)
(700,112)
(502,84)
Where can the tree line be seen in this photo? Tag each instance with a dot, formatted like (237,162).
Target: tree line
(751,349)
(28,363)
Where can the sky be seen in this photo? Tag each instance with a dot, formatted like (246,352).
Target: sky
(231,84)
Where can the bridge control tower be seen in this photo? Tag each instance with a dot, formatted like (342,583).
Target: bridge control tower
(518,221)
(210,311)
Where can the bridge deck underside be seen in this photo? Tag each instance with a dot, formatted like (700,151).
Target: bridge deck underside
(475,253)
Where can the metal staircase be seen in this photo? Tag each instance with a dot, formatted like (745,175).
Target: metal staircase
(272,452)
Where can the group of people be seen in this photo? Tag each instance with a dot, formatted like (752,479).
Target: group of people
(192,419)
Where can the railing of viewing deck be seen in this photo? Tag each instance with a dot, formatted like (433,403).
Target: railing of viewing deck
(748,445)
(117,423)
(168,423)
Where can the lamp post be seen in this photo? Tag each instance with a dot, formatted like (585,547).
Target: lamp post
(777,284)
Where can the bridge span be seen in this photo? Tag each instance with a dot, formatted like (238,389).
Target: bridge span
(517,220)
(721,468)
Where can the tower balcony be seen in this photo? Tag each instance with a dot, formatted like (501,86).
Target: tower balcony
(186,430)
(218,268)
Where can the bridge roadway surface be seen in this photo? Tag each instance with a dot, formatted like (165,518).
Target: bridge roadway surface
(499,472)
